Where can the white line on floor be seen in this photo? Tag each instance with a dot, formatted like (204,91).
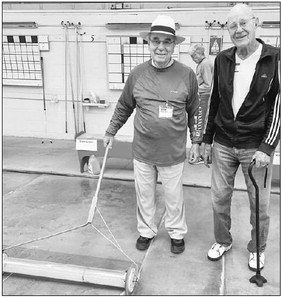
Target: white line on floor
(222,286)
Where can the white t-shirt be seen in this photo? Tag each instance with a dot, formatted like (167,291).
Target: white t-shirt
(243,75)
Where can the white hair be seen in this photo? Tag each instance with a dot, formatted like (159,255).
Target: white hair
(240,8)
(199,48)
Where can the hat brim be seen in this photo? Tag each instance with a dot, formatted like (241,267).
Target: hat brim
(145,35)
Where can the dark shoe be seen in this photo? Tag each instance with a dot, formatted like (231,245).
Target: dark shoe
(177,246)
(143,243)
(198,161)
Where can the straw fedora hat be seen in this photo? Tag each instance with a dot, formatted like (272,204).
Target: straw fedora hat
(165,25)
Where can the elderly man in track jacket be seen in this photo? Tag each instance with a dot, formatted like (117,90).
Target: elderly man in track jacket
(243,125)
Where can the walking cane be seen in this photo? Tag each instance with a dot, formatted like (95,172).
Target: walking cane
(258,278)
(95,198)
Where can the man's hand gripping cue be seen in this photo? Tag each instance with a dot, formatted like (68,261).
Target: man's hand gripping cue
(108,140)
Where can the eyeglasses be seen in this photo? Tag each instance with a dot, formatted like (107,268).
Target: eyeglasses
(166,43)
(242,23)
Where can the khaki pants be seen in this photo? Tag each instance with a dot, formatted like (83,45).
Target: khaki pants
(145,184)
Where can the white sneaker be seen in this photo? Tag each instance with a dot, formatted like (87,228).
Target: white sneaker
(253,261)
(217,250)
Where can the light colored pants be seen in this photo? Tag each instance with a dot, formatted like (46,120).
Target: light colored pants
(145,184)
(226,161)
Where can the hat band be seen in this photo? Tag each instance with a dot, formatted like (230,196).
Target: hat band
(163,28)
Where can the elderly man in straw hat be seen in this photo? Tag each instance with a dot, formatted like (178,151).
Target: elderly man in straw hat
(164,93)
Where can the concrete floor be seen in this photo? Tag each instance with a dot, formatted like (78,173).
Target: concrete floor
(49,204)
(44,192)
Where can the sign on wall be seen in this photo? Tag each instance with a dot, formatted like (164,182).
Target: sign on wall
(21,60)
(215,45)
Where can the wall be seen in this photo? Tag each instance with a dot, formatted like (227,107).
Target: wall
(23,113)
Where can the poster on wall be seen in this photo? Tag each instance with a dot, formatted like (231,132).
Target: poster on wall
(215,45)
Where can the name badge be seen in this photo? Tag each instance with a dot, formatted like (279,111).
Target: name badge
(166,111)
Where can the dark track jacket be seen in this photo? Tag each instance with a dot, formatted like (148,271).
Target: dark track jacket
(257,123)
(157,141)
